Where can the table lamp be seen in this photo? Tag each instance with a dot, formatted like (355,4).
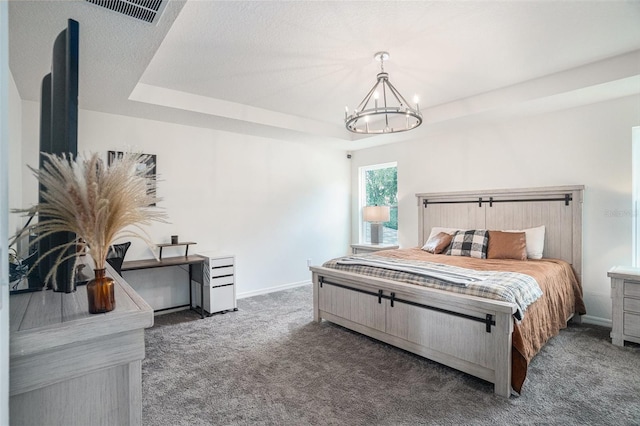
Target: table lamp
(376,215)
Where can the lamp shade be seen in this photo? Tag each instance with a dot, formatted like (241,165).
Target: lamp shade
(376,213)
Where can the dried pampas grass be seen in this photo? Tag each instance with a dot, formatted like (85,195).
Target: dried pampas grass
(98,203)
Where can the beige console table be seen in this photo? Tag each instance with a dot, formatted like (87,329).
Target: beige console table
(68,367)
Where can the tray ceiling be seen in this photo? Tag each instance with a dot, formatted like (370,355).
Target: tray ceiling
(287,69)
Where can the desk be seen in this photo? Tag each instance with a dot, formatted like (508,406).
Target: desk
(194,259)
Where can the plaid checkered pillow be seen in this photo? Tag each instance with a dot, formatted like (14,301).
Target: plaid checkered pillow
(472,243)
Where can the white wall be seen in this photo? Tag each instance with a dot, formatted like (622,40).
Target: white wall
(15,155)
(590,145)
(274,204)
(7,104)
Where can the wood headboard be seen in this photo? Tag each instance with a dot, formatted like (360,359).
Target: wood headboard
(558,208)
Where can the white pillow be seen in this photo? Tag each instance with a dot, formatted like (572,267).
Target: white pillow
(438,229)
(535,241)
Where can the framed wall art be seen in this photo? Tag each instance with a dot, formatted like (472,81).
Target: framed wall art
(148,164)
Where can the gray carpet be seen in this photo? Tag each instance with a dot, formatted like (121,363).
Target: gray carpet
(269,364)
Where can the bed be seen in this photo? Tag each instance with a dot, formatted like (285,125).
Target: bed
(476,335)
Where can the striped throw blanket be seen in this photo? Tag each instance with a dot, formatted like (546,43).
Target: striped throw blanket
(513,287)
(437,271)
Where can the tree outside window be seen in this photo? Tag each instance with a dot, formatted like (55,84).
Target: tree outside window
(379,186)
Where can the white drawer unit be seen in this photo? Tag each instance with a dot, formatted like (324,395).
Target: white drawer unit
(625,296)
(217,282)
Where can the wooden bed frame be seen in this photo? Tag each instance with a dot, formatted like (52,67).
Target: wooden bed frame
(470,334)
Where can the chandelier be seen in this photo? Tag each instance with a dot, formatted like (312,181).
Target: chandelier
(391,114)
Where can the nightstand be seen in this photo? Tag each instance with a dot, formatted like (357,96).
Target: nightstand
(369,248)
(625,296)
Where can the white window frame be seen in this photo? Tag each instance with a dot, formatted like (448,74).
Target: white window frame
(362,198)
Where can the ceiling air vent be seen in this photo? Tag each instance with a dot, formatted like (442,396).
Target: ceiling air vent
(144,10)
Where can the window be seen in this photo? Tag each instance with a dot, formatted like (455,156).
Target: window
(379,186)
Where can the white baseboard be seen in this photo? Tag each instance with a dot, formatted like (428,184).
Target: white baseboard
(272,289)
(589,319)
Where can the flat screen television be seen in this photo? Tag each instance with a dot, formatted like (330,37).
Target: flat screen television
(59,135)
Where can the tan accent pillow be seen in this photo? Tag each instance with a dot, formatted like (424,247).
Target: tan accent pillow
(507,245)
(535,241)
(438,243)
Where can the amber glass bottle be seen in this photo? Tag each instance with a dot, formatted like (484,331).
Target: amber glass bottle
(100,292)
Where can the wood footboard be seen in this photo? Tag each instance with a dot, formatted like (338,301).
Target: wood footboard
(468,333)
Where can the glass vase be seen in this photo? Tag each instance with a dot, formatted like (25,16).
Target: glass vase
(100,292)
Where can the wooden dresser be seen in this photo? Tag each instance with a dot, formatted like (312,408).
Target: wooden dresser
(68,367)
(625,296)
